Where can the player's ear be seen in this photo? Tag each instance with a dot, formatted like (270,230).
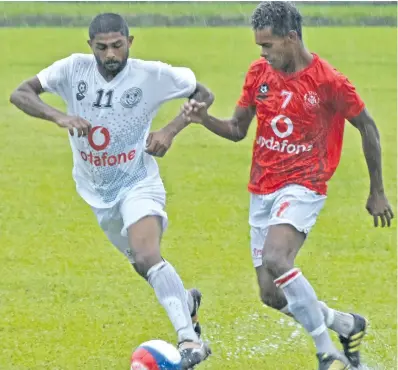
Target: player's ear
(130,40)
(90,43)
(292,36)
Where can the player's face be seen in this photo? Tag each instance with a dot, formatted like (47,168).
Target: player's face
(111,50)
(277,50)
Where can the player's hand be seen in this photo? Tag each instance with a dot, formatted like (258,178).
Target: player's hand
(159,142)
(194,112)
(70,122)
(378,206)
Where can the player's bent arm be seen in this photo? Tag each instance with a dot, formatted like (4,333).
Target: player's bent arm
(201,94)
(371,147)
(235,128)
(26,98)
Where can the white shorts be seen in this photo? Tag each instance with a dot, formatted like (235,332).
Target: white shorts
(293,204)
(137,204)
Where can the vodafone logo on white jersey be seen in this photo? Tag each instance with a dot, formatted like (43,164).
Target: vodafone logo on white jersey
(99,139)
(99,144)
(282,127)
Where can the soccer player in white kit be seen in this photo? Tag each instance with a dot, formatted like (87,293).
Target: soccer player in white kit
(111,100)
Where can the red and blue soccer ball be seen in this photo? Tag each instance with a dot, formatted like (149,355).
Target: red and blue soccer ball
(156,355)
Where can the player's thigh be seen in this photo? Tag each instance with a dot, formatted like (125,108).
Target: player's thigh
(144,221)
(293,214)
(111,222)
(298,206)
(259,214)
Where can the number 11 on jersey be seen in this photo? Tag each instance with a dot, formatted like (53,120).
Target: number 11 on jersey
(108,100)
(288,95)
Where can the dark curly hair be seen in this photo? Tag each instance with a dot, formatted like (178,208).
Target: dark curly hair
(281,16)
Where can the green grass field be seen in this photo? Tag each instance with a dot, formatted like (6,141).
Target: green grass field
(13,8)
(69,300)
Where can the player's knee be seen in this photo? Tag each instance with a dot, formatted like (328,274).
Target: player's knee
(143,262)
(146,254)
(276,263)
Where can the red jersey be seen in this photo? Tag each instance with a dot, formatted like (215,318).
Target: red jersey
(300,124)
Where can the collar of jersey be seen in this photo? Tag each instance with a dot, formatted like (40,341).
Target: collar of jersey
(115,79)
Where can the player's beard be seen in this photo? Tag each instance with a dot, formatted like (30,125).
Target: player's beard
(112,67)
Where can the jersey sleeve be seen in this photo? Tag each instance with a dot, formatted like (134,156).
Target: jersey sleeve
(55,78)
(175,82)
(247,96)
(346,100)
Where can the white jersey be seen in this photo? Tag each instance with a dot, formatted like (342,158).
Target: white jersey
(111,160)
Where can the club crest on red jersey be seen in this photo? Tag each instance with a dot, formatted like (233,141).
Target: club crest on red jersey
(311,100)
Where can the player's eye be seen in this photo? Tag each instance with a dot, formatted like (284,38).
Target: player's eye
(117,45)
(101,47)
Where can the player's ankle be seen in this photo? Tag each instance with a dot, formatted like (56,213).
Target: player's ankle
(285,310)
(340,322)
(328,313)
(188,343)
(187,335)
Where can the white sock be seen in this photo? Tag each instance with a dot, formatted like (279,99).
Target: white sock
(171,294)
(286,311)
(303,304)
(340,322)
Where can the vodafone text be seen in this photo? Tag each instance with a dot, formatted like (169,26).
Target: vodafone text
(282,146)
(103,160)
(99,139)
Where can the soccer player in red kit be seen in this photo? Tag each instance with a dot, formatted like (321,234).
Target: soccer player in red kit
(301,103)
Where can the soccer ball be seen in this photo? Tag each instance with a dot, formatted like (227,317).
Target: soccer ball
(155,355)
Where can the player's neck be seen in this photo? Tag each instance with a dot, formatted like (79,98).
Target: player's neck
(301,60)
(108,76)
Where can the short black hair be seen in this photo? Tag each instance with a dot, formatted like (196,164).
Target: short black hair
(281,16)
(106,23)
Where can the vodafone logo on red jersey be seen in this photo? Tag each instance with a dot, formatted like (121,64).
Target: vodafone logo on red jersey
(286,121)
(282,128)
(99,139)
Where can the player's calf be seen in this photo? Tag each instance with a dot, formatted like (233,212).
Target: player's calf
(270,295)
(144,238)
(280,249)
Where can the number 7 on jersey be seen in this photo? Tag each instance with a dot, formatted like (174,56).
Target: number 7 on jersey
(288,95)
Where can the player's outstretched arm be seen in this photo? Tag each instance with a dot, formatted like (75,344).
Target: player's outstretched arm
(26,98)
(201,94)
(159,142)
(377,204)
(234,129)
